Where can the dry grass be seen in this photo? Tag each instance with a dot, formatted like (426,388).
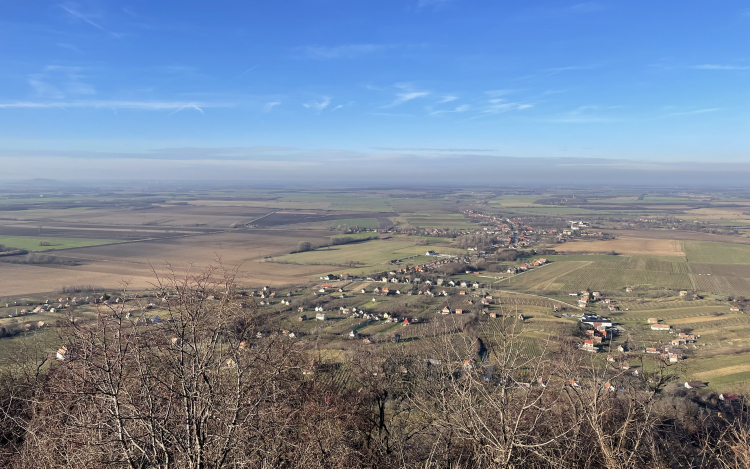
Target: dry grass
(627,246)
(727,370)
(703,319)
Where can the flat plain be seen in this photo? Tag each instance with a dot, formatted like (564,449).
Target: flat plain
(112,238)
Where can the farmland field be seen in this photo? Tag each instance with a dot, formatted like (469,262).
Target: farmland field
(614,274)
(545,278)
(440,221)
(731,270)
(109,266)
(626,246)
(360,222)
(367,253)
(702,252)
(32,243)
(721,285)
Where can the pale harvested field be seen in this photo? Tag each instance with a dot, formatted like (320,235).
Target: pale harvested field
(735,214)
(271,204)
(704,319)
(678,235)
(165,215)
(626,246)
(727,370)
(109,266)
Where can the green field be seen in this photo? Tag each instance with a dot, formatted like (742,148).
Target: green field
(440,221)
(31,243)
(354,235)
(367,253)
(709,252)
(614,273)
(370,223)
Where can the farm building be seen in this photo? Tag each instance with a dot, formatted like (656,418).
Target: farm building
(660,327)
(695,384)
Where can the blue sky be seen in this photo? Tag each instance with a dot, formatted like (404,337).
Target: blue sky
(242,87)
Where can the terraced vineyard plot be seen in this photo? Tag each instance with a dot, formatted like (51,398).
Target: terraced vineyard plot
(719,323)
(665,305)
(657,265)
(667,315)
(736,270)
(600,276)
(720,285)
(545,278)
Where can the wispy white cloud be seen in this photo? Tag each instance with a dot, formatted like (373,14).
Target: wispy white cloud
(319,105)
(345,51)
(78,88)
(44,89)
(461,108)
(498,93)
(87,19)
(270,105)
(188,106)
(407,94)
(114,104)
(337,107)
(59,81)
(447,99)
(556,70)
(697,111)
(722,67)
(249,70)
(499,106)
(581,115)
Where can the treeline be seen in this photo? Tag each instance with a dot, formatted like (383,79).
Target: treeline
(203,390)
(11,251)
(80,289)
(304,246)
(39,259)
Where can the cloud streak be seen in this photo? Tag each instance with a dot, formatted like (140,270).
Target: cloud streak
(408,94)
(269,106)
(88,20)
(115,104)
(697,111)
(345,51)
(318,105)
(721,67)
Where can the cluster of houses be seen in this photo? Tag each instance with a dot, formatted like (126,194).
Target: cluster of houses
(671,352)
(49,306)
(527,266)
(601,329)
(585,299)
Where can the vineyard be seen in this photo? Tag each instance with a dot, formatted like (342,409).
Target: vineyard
(643,305)
(721,285)
(543,278)
(736,270)
(610,274)
(614,276)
